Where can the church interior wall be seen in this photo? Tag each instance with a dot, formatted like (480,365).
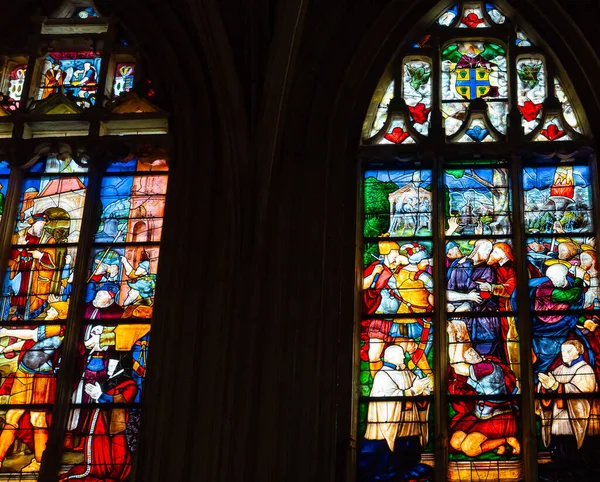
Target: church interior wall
(251,374)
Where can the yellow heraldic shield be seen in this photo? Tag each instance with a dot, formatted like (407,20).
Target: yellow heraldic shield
(473,83)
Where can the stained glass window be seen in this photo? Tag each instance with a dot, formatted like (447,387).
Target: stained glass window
(397,331)
(118,304)
(124,74)
(480,303)
(83,226)
(72,73)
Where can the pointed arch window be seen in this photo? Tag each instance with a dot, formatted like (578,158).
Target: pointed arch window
(478,347)
(83,184)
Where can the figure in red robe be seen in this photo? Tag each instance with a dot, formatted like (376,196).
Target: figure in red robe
(33,383)
(487,424)
(53,80)
(103,306)
(378,297)
(505,289)
(35,265)
(107,457)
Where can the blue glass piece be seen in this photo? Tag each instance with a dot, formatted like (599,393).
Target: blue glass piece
(477,133)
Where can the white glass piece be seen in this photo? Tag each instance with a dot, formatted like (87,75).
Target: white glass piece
(567,107)
(382,109)
(498,112)
(522,40)
(496,15)
(454,114)
(448,16)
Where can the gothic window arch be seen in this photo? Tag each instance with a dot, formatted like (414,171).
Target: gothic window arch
(83,184)
(478,347)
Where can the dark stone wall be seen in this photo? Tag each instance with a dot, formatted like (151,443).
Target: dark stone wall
(250,376)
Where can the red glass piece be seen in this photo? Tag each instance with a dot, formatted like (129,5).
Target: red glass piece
(472,20)
(419,113)
(530,110)
(552,132)
(424,41)
(397,136)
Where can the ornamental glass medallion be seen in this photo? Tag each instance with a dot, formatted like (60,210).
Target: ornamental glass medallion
(531,90)
(416,91)
(471,71)
(16,82)
(124,74)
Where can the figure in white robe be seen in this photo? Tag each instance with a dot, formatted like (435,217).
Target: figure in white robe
(390,420)
(567,416)
(396,430)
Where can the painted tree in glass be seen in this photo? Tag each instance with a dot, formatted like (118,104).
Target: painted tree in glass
(478,350)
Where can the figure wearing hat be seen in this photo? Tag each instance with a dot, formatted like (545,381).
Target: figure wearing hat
(378,285)
(134,339)
(35,266)
(141,288)
(106,454)
(107,265)
(415,294)
(414,282)
(53,78)
(103,306)
(33,382)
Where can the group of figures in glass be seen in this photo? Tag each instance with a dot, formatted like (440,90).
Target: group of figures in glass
(484,289)
(77,295)
(480,304)
(117,307)
(74,74)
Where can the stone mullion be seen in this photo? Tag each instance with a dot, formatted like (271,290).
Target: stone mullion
(67,373)
(524,320)
(440,341)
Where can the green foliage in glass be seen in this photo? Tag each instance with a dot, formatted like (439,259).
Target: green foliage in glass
(376,204)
